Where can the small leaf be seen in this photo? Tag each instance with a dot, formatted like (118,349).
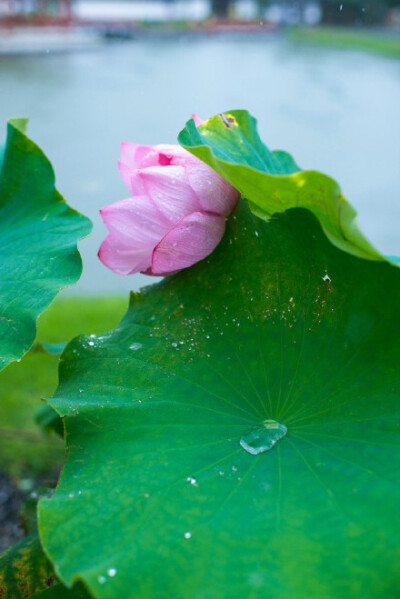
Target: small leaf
(58,591)
(38,241)
(271,181)
(24,570)
(48,420)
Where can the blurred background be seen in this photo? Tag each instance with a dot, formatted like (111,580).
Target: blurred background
(321,76)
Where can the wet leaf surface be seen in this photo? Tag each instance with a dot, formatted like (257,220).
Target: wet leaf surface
(159,499)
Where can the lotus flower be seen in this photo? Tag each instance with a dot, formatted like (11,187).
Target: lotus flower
(174,217)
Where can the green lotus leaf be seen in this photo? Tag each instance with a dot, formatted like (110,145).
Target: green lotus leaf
(237,435)
(24,570)
(58,591)
(271,181)
(38,241)
(26,573)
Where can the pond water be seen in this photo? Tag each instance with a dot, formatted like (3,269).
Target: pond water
(335,111)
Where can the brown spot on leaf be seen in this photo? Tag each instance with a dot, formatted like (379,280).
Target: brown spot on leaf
(227,120)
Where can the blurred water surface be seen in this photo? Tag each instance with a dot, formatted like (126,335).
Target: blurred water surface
(335,111)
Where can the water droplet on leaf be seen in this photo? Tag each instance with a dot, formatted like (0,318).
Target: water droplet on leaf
(264,438)
(135,346)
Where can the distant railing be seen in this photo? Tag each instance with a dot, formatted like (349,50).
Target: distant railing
(35,11)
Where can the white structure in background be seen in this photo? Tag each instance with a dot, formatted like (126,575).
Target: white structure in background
(280,13)
(290,14)
(246,10)
(312,13)
(139,10)
(284,12)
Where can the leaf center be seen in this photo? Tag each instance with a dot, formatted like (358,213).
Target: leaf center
(263,438)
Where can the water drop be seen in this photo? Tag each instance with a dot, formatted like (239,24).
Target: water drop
(326,278)
(111,572)
(135,346)
(101,579)
(187,535)
(263,438)
(192,481)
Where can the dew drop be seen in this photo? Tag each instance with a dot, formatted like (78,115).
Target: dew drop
(264,438)
(135,346)
(192,481)
(111,572)
(187,535)
(101,579)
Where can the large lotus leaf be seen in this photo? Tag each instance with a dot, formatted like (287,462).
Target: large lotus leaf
(158,498)
(38,238)
(272,181)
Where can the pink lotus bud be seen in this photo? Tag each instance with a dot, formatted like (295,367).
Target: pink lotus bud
(174,217)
